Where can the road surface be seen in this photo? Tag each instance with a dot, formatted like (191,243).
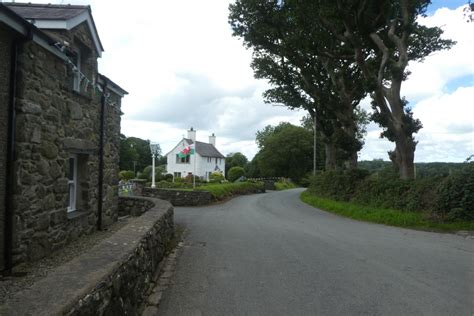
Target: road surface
(271,254)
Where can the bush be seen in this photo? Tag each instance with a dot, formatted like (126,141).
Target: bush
(284,184)
(221,191)
(216,177)
(168,177)
(126,175)
(445,198)
(235,173)
(456,195)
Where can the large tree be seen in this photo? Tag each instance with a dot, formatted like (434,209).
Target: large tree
(328,89)
(134,153)
(385,36)
(286,152)
(235,160)
(373,38)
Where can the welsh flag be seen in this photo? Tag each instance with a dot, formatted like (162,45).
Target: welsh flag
(186,151)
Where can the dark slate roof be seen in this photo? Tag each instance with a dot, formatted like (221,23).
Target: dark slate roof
(31,11)
(205,149)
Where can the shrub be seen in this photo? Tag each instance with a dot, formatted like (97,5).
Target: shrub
(445,198)
(216,177)
(168,177)
(235,173)
(284,184)
(126,175)
(221,191)
(456,195)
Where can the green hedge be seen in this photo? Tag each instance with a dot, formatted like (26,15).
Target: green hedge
(284,185)
(444,198)
(224,190)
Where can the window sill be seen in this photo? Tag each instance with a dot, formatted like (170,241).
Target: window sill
(76,214)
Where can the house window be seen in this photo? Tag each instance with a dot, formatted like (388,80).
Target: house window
(72,183)
(182,159)
(177,175)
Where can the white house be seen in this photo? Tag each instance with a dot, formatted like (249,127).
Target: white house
(190,156)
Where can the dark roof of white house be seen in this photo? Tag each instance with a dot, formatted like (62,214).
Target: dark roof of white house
(32,11)
(205,149)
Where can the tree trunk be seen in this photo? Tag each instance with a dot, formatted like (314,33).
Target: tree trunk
(351,163)
(330,150)
(403,156)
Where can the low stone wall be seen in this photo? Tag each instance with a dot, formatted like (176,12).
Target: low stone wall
(112,278)
(180,197)
(134,206)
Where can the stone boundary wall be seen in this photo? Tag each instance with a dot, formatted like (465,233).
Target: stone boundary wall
(134,206)
(180,197)
(112,278)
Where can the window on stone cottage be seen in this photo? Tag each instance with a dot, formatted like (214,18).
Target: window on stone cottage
(72,183)
(76,59)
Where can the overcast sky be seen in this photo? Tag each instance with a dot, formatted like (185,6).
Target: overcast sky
(182,68)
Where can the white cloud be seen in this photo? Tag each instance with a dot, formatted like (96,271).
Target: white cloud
(182,68)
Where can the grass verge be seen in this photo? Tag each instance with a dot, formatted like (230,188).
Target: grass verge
(383,216)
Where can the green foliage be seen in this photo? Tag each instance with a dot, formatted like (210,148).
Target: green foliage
(235,160)
(447,198)
(284,184)
(146,173)
(337,184)
(168,177)
(216,177)
(391,217)
(456,195)
(235,173)
(225,190)
(134,153)
(285,152)
(126,175)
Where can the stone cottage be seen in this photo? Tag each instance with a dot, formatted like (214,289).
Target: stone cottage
(59,131)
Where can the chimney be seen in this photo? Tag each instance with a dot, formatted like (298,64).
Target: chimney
(212,140)
(192,134)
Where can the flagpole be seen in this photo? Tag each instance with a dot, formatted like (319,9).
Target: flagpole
(194,173)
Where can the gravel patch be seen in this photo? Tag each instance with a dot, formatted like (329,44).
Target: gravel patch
(26,274)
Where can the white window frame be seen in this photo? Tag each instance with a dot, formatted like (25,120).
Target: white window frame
(72,185)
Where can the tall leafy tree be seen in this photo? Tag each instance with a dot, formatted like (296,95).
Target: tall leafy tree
(286,152)
(134,153)
(350,38)
(235,160)
(385,36)
(283,53)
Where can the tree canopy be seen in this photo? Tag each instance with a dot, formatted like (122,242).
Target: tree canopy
(134,152)
(324,56)
(286,151)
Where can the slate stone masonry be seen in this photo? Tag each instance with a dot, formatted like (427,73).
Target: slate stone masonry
(112,278)
(53,123)
(180,197)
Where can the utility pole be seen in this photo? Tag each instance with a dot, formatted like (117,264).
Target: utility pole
(315,143)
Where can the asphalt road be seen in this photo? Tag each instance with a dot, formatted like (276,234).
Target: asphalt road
(270,254)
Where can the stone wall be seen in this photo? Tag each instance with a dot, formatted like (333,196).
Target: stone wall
(134,206)
(5,52)
(180,197)
(112,278)
(53,123)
